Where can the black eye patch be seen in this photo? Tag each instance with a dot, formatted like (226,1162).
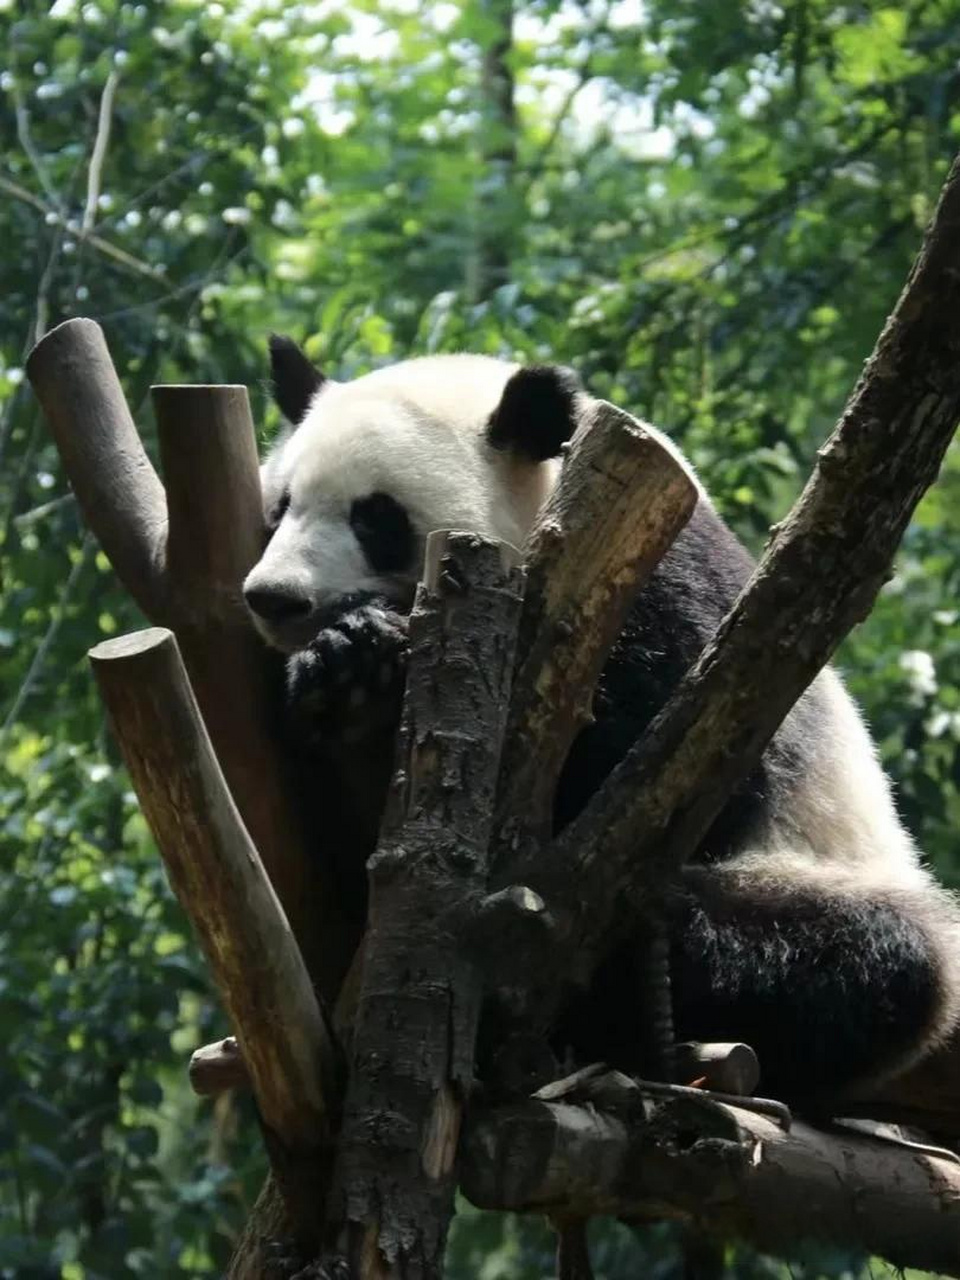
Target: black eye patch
(279,509)
(277,512)
(383,529)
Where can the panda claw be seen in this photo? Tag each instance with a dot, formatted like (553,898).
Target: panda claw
(337,684)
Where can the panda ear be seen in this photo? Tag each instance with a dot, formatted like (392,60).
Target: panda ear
(295,379)
(537,414)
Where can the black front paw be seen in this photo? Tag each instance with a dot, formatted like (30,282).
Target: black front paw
(348,682)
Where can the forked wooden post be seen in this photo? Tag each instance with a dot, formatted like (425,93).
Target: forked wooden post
(182,552)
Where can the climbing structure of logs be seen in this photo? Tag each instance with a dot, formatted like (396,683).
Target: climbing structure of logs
(368,1138)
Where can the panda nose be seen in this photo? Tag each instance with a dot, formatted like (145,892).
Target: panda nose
(274,604)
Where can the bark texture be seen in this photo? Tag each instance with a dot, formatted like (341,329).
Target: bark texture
(413,1048)
(621,501)
(729,1169)
(218,878)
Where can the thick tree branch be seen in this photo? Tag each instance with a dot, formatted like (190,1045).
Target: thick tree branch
(413,1046)
(817,578)
(739,1173)
(118,489)
(621,500)
(190,580)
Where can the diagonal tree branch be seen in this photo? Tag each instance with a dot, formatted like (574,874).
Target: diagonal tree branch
(844,529)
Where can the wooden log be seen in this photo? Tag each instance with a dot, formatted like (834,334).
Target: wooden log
(118,490)
(189,578)
(722,1068)
(215,535)
(220,882)
(621,500)
(413,1044)
(722,1167)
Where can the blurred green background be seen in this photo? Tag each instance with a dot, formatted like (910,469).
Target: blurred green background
(707,209)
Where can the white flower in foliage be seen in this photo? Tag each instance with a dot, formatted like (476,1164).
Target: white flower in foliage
(920,671)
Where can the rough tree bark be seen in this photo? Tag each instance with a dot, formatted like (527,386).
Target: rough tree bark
(621,501)
(413,1047)
(640,1155)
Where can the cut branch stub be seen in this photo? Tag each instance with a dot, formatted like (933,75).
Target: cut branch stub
(621,500)
(220,882)
(413,1049)
(215,1068)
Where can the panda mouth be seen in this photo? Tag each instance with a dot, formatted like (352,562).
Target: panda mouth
(292,634)
(288,637)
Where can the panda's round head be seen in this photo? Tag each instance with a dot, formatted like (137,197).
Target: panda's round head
(373,466)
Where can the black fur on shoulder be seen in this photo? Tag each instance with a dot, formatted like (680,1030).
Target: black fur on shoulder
(295,379)
(538,412)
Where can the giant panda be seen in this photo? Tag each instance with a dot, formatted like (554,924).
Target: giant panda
(805,925)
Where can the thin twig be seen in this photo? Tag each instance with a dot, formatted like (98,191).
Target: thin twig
(99,152)
(105,247)
(30,150)
(87,549)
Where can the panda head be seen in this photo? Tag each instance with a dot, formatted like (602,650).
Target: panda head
(373,466)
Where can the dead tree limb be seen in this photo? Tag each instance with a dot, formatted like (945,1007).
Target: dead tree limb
(844,530)
(189,578)
(731,1170)
(221,884)
(413,1047)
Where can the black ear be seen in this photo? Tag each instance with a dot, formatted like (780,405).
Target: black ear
(538,412)
(295,379)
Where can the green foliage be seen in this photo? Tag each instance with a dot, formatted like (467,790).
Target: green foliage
(708,210)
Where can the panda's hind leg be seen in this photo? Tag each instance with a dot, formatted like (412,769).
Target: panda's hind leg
(832,990)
